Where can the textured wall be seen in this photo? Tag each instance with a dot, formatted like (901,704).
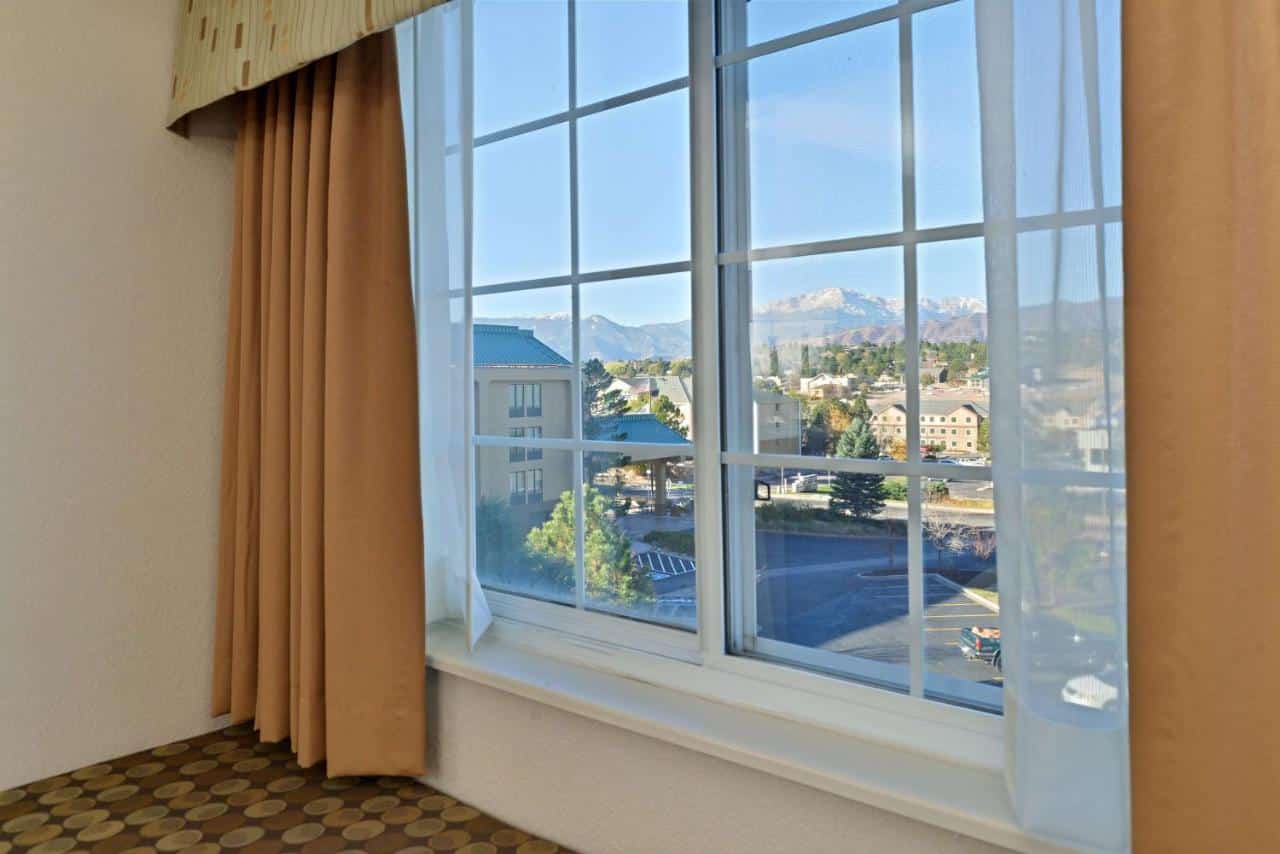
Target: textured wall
(603,790)
(114,240)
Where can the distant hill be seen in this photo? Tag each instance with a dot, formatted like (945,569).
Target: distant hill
(835,315)
(847,316)
(605,339)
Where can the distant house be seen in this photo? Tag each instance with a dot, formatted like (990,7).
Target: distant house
(953,424)
(826,386)
(777,422)
(776,416)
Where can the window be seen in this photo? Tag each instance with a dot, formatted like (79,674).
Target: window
(582,259)
(524,400)
(746,283)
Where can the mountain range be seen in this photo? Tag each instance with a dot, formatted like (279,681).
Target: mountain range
(839,315)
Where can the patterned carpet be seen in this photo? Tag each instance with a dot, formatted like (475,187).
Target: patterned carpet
(228,791)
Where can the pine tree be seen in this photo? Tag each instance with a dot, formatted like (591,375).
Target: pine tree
(611,573)
(599,403)
(859,495)
(666,412)
(806,370)
(775,369)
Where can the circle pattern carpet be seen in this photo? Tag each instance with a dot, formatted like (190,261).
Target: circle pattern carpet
(227,791)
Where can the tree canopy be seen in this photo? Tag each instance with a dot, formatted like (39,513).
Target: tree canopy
(858,495)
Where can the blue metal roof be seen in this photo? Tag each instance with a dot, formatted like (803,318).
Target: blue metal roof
(636,427)
(500,345)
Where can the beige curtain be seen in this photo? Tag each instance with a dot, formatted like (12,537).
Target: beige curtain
(320,613)
(1202,269)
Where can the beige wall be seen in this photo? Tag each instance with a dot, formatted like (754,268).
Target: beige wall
(114,238)
(603,790)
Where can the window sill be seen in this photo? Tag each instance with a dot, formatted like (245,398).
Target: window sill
(964,799)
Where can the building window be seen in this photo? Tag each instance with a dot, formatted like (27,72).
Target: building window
(535,487)
(534,453)
(517,488)
(524,400)
(516,453)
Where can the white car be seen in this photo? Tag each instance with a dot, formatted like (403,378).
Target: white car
(1092,691)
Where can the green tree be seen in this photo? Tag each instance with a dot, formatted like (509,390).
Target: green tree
(599,401)
(984,436)
(611,574)
(666,412)
(775,369)
(859,408)
(806,369)
(858,495)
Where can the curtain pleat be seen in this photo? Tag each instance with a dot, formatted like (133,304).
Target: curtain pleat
(320,625)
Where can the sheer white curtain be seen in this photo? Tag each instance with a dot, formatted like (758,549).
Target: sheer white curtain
(437,134)
(1049,75)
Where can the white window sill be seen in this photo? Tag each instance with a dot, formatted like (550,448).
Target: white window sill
(965,799)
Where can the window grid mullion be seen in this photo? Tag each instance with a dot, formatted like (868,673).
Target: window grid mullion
(910,278)
(575,382)
(467,131)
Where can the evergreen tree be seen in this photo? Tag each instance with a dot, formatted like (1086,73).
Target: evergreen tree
(806,369)
(775,369)
(859,495)
(611,573)
(599,402)
(860,409)
(666,412)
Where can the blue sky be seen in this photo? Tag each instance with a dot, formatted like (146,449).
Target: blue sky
(824,138)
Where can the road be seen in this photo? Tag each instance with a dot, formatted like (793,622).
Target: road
(849,595)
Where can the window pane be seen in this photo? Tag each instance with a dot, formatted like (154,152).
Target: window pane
(947,133)
(633,183)
(514,507)
(523,377)
(771,19)
(829,574)
(522,207)
(822,125)
(521,62)
(637,373)
(963,662)
(955,404)
(639,537)
(624,45)
(826,348)
(1071,349)
(1052,140)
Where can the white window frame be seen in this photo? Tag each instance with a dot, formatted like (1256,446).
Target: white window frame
(965,750)
(951,732)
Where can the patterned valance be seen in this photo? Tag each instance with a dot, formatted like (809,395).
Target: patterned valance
(227,46)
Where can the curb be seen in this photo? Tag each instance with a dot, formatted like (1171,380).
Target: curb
(964,591)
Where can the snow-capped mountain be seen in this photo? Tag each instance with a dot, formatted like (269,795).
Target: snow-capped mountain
(841,315)
(831,312)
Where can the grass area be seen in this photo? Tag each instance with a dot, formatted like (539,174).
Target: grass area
(792,519)
(1089,621)
(679,542)
(969,503)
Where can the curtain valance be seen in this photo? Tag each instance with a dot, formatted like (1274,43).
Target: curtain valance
(227,46)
